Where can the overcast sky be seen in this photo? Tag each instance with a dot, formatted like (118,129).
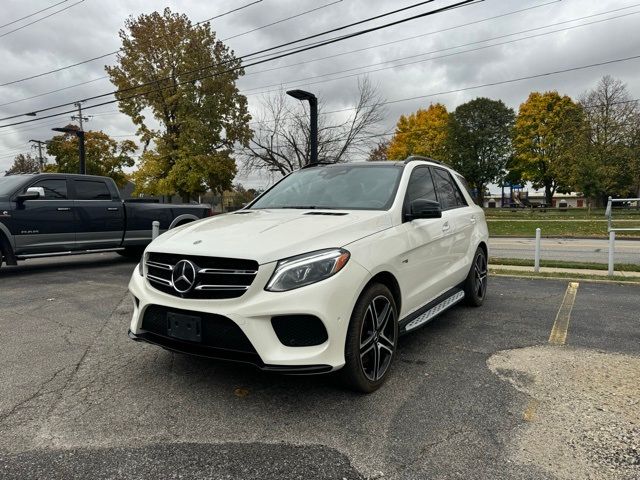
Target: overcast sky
(90,29)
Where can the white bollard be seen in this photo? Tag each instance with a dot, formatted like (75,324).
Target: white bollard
(536,264)
(155,229)
(612,244)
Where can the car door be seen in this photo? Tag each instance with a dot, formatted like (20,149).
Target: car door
(458,215)
(46,224)
(429,243)
(99,214)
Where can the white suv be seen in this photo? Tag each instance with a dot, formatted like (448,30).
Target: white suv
(321,272)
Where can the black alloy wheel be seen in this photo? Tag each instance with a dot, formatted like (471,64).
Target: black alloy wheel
(372,340)
(475,287)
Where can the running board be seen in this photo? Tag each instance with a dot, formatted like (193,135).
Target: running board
(70,252)
(434,309)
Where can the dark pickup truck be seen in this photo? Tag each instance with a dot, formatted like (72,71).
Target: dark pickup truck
(54,214)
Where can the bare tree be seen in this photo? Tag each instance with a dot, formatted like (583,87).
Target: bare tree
(280,141)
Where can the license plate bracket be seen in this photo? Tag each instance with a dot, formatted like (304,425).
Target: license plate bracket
(184,327)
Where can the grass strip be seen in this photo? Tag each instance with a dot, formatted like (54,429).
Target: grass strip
(522,262)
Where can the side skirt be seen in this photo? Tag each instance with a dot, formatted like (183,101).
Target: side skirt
(431,310)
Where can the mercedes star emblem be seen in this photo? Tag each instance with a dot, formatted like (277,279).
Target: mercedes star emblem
(183,276)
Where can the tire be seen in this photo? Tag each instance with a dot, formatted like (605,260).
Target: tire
(475,286)
(372,340)
(131,252)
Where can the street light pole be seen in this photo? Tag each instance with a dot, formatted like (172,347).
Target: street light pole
(80,134)
(313,107)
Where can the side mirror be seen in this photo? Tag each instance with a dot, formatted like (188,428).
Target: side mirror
(421,208)
(32,193)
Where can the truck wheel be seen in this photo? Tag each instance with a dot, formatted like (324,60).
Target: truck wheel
(131,252)
(475,286)
(372,340)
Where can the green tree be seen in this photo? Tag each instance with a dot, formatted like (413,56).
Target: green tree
(421,133)
(186,79)
(610,164)
(547,138)
(24,164)
(103,155)
(480,141)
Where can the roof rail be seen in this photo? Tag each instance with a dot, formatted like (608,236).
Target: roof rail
(315,164)
(414,158)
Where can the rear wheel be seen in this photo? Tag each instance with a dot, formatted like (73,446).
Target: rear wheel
(372,340)
(475,286)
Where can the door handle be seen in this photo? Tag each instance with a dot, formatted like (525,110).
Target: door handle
(113,209)
(445,227)
(473,219)
(64,209)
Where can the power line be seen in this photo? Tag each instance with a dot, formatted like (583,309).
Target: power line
(302,48)
(32,14)
(39,19)
(229,12)
(475,22)
(281,21)
(105,55)
(436,51)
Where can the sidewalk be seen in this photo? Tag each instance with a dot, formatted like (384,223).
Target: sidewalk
(577,271)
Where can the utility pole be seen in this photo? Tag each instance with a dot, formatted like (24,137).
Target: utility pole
(79,117)
(39,143)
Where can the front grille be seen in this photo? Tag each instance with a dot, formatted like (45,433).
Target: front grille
(215,278)
(218,332)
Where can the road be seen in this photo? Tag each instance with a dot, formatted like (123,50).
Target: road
(575,250)
(473,394)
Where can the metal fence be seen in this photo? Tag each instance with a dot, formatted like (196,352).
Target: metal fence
(612,231)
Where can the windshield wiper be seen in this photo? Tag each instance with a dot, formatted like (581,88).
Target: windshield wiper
(301,207)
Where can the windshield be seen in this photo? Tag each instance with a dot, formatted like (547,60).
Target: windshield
(10,183)
(341,187)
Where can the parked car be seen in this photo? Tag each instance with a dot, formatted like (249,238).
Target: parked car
(322,272)
(61,214)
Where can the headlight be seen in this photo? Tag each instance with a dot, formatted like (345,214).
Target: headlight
(296,272)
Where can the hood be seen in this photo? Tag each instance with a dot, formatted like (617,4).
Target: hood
(270,235)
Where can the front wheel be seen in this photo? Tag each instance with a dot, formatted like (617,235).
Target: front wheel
(475,286)
(372,340)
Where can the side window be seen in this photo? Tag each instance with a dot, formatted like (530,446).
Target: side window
(91,190)
(449,194)
(54,188)
(464,183)
(420,186)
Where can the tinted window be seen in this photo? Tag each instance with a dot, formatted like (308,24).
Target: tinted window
(91,190)
(54,188)
(464,183)
(11,183)
(448,193)
(421,186)
(342,187)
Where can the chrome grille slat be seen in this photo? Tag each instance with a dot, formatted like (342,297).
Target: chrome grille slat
(163,266)
(163,281)
(226,271)
(222,287)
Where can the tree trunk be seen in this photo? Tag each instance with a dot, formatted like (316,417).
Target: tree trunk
(548,194)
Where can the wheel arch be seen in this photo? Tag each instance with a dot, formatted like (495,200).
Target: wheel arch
(389,280)
(485,248)
(182,219)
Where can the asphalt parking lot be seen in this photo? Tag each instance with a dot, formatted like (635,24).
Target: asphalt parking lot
(478,393)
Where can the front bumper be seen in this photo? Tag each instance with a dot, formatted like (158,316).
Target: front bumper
(331,300)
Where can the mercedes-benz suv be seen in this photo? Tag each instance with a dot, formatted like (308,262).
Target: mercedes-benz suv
(322,272)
